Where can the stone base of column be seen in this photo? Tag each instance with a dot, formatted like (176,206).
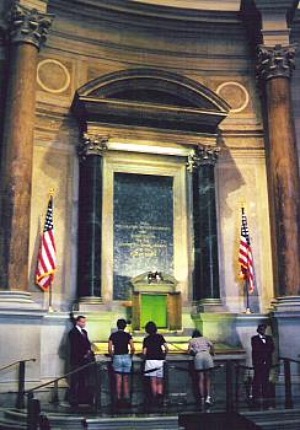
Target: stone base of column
(286,304)
(286,325)
(210,305)
(89,304)
(17,301)
(286,316)
(217,326)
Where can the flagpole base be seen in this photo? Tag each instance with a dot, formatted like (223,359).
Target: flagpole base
(248,311)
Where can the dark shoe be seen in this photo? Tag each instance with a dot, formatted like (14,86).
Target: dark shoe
(126,403)
(159,400)
(118,403)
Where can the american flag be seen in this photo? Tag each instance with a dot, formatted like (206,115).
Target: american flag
(245,255)
(46,264)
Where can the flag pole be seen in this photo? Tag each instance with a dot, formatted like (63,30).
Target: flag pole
(244,258)
(50,307)
(248,309)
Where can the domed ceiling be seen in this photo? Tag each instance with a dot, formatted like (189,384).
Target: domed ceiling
(226,5)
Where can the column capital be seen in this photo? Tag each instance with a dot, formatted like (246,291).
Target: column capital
(276,61)
(203,156)
(28,25)
(92,145)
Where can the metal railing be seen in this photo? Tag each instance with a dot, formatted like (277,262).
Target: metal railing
(233,376)
(287,379)
(289,404)
(20,404)
(35,418)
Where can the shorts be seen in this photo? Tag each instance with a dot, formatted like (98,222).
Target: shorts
(122,363)
(203,360)
(157,366)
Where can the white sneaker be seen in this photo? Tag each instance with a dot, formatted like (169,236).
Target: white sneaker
(208,401)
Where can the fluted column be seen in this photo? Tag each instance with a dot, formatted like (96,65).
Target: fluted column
(90,153)
(27,30)
(275,66)
(206,265)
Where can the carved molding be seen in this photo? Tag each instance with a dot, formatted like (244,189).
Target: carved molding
(235,95)
(28,25)
(203,156)
(53,76)
(277,61)
(91,145)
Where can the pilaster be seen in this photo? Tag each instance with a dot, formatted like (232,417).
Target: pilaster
(206,289)
(90,152)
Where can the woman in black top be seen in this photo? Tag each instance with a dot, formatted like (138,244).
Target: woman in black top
(154,350)
(121,349)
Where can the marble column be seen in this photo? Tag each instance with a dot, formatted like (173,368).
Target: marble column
(27,30)
(275,66)
(90,153)
(206,266)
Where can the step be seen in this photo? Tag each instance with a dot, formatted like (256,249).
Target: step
(13,419)
(16,420)
(275,419)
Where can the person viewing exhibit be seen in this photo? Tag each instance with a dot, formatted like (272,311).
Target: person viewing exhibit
(155,350)
(202,349)
(121,349)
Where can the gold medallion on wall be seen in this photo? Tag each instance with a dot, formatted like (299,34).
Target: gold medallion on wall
(53,76)
(235,94)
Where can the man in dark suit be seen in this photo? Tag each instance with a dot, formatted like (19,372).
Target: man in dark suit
(262,350)
(81,353)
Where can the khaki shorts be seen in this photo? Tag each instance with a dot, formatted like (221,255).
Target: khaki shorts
(203,360)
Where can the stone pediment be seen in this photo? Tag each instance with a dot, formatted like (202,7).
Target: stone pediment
(159,282)
(149,98)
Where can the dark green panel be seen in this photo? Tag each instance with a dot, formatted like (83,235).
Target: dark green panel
(143,228)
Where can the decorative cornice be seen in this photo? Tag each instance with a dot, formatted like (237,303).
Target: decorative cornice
(141,13)
(28,25)
(91,145)
(203,156)
(277,61)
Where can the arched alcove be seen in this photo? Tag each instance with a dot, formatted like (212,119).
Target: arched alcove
(149,98)
(156,102)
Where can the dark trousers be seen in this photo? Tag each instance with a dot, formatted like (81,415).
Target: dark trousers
(261,384)
(82,387)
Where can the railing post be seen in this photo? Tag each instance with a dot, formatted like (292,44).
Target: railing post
(166,382)
(229,391)
(84,424)
(44,423)
(33,413)
(55,397)
(20,403)
(237,385)
(287,384)
(98,388)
